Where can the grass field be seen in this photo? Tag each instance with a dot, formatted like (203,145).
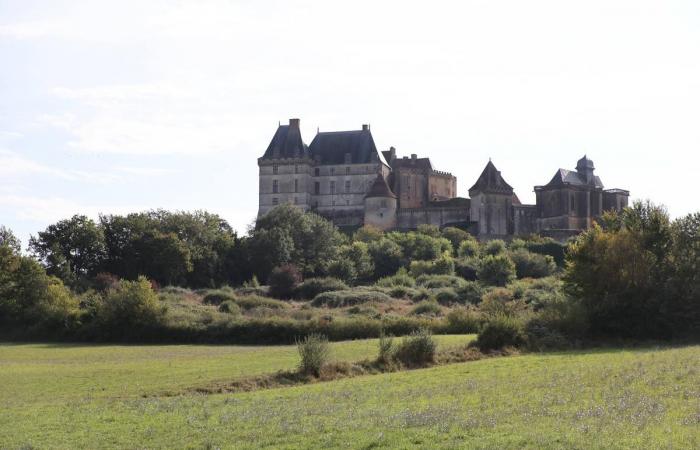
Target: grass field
(55,396)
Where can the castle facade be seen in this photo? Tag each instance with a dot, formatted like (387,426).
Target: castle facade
(342,176)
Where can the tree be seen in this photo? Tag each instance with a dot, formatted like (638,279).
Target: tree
(456,236)
(72,249)
(308,240)
(283,281)
(8,238)
(386,256)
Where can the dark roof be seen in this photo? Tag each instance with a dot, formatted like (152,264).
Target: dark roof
(287,143)
(571,177)
(451,202)
(331,147)
(584,163)
(420,163)
(491,180)
(380,188)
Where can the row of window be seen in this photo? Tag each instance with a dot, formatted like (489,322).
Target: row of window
(317,171)
(317,187)
(276,201)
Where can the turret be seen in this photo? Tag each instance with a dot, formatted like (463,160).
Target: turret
(380,205)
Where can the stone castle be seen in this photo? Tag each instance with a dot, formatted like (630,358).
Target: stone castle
(343,177)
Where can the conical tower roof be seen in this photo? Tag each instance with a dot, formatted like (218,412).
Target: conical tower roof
(380,188)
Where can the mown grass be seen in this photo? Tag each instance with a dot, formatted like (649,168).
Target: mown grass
(612,399)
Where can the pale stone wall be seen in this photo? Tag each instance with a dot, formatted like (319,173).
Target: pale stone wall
(442,186)
(284,181)
(409,219)
(493,213)
(380,212)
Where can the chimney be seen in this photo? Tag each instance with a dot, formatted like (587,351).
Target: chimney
(414,156)
(365,127)
(392,154)
(293,123)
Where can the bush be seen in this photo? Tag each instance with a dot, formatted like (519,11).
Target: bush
(218,297)
(446,296)
(131,304)
(549,246)
(418,268)
(386,349)
(468,249)
(427,307)
(229,307)
(463,320)
(401,278)
(495,247)
(283,281)
(442,266)
(253,301)
(417,349)
(343,269)
(532,265)
(350,297)
(311,287)
(456,236)
(386,256)
(470,292)
(402,292)
(314,352)
(496,270)
(439,281)
(467,268)
(499,332)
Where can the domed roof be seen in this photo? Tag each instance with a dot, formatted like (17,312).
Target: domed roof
(584,163)
(380,188)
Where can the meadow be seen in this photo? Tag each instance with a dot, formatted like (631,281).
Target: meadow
(87,396)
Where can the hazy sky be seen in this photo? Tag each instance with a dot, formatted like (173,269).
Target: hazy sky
(123,106)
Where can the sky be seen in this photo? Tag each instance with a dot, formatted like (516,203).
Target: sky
(124,106)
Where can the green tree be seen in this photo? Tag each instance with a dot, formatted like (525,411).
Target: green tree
(386,256)
(8,238)
(496,270)
(73,249)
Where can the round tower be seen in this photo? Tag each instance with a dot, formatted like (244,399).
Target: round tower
(380,205)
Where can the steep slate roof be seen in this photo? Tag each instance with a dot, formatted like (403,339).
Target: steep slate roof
(420,163)
(380,188)
(287,143)
(331,147)
(491,180)
(563,177)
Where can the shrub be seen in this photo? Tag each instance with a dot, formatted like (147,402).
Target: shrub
(456,236)
(218,297)
(499,302)
(254,301)
(132,303)
(386,256)
(495,247)
(548,246)
(468,249)
(402,292)
(419,294)
(499,332)
(439,281)
(314,352)
(442,266)
(283,280)
(467,268)
(540,337)
(496,270)
(311,287)
(386,348)
(262,291)
(105,281)
(350,297)
(401,278)
(446,296)
(463,320)
(470,292)
(229,307)
(532,265)
(427,307)
(417,349)
(343,269)
(418,268)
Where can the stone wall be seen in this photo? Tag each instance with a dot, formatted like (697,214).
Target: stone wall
(410,219)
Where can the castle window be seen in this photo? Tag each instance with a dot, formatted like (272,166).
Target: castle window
(332,170)
(275,201)
(347,186)
(333,202)
(347,202)
(275,169)
(296,185)
(381,214)
(296,168)
(332,187)
(317,171)
(347,171)
(275,187)
(317,188)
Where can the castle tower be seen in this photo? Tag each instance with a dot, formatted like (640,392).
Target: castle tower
(492,204)
(380,205)
(285,170)
(585,168)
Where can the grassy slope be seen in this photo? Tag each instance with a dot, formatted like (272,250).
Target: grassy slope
(635,399)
